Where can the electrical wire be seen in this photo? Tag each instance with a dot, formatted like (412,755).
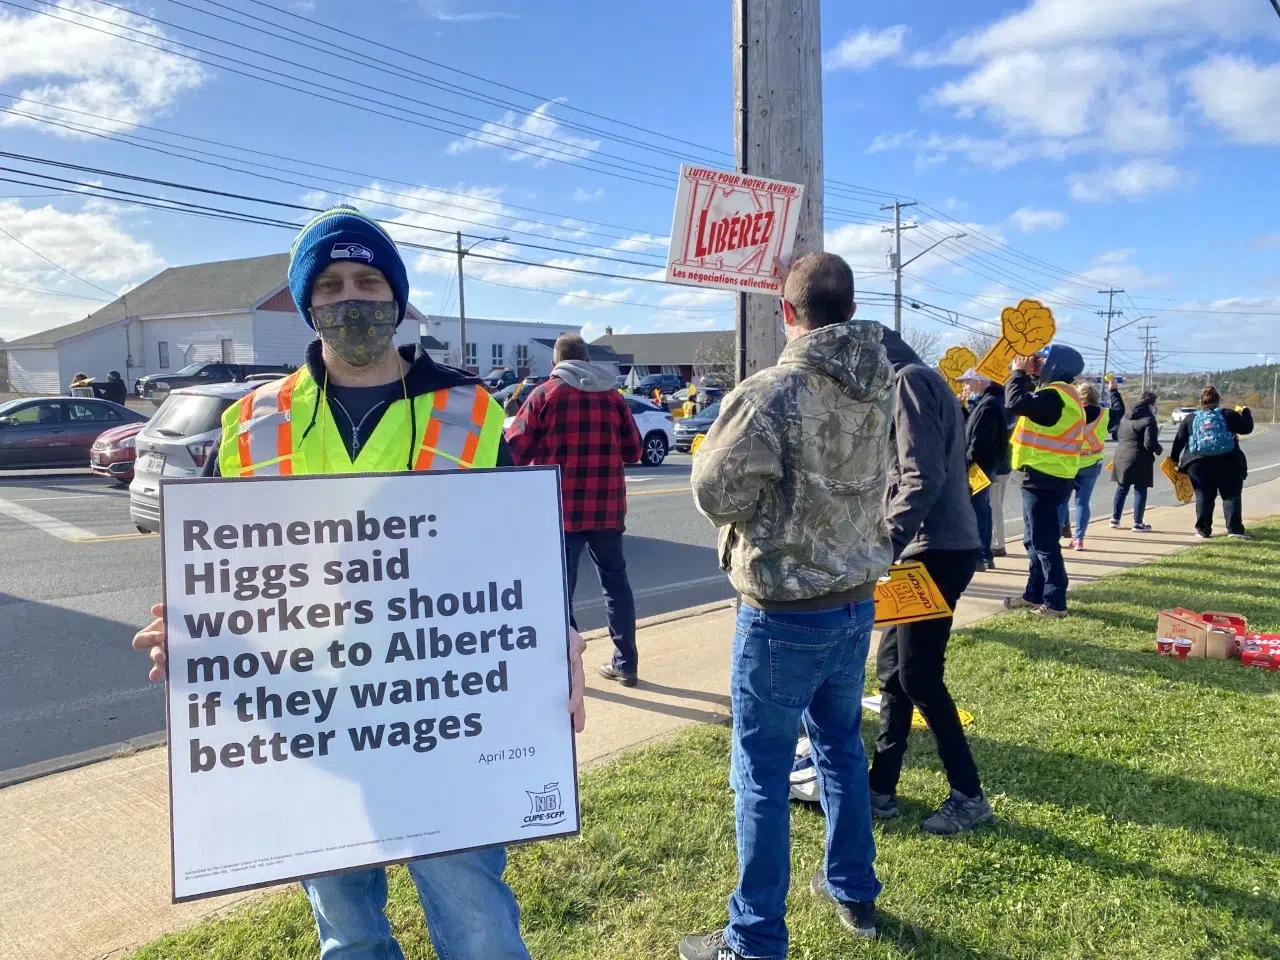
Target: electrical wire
(56,264)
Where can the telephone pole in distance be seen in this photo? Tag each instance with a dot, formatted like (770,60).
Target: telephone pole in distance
(895,257)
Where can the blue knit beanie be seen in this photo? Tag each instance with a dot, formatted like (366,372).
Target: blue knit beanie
(344,233)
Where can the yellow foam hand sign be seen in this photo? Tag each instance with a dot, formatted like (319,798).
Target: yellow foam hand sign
(1182,488)
(953,365)
(1024,329)
(697,442)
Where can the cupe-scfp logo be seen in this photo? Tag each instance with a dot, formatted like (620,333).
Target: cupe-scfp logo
(351,251)
(545,806)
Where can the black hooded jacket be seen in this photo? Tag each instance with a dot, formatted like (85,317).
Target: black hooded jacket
(927,504)
(986,432)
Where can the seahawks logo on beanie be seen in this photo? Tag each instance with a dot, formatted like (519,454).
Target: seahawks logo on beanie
(343,233)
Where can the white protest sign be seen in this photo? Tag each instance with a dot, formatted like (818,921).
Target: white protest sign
(362,670)
(730,229)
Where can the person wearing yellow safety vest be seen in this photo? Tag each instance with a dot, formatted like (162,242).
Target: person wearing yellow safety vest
(1047,440)
(1097,427)
(360,405)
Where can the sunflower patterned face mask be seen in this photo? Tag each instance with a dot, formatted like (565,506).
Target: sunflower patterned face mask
(358,331)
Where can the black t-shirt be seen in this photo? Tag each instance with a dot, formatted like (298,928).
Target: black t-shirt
(358,410)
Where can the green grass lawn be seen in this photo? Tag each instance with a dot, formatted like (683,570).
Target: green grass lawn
(1138,805)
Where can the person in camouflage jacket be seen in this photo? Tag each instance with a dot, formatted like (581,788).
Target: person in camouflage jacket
(793,473)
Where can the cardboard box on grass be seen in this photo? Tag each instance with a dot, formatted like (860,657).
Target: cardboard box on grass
(1207,639)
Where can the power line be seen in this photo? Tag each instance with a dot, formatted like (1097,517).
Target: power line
(307,163)
(364,105)
(56,264)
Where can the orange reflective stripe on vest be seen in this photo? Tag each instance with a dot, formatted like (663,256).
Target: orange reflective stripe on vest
(453,432)
(268,406)
(1093,444)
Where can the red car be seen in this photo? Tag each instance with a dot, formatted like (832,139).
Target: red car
(112,453)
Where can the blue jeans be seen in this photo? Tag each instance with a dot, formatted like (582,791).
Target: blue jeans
(788,667)
(471,913)
(605,547)
(1086,479)
(1139,503)
(1042,535)
(982,511)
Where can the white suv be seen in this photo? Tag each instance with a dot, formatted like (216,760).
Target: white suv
(177,442)
(657,429)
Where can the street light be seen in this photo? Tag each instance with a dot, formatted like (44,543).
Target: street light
(895,262)
(462,300)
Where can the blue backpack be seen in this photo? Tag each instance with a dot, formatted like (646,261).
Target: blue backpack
(1209,435)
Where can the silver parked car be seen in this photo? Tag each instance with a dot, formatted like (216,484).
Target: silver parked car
(178,442)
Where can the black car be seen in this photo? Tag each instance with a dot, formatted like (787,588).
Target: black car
(54,432)
(499,378)
(157,386)
(668,383)
(690,427)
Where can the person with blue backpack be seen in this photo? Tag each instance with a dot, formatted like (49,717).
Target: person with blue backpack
(1206,448)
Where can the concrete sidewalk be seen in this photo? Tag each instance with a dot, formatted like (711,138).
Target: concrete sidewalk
(86,852)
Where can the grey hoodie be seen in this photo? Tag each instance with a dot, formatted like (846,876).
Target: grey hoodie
(587,377)
(927,503)
(793,472)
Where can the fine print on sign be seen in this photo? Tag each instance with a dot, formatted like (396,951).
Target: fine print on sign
(730,229)
(1024,329)
(953,365)
(978,480)
(907,594)
(356,679)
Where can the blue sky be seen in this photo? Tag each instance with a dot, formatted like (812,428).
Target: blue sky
(1079,143)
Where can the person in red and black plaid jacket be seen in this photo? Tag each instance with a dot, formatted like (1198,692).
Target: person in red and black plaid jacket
(578,420)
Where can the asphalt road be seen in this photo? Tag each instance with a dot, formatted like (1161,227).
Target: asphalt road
(76,581)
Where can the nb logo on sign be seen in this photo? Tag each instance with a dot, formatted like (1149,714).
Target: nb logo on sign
(545,806)
(351,251)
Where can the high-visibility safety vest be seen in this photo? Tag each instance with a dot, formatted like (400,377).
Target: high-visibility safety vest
(269,433)
(1095,435)
(1052,450)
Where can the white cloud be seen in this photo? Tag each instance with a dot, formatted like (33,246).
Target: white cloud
(91,243)
(1029,220)
(1240,96)
(65,65)
(593,300)
(697,298)
(587,196)
(538,135)
(994,153)
(1055,24)
(314,198)
(642,241)
(866,48)
(1132,181)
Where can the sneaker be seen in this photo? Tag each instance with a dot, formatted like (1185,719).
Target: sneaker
(1142,528)
(1050,613)
(1201,536)
(1115,524)
(884,806)
(1018,603)
(999,552)
(991,564)
(858,917)
(1066,532)
(1239,536)
(959,813)
(1077,544)
(610,672)
(711,946)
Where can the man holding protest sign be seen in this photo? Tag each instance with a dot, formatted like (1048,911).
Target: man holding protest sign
(1047,442)
(792,473)
(931,521)
(359,405)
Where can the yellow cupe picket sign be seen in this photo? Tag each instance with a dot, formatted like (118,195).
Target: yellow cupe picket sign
(1024,329)
(1182,488)
(697,442)
(978,480)
(907,594)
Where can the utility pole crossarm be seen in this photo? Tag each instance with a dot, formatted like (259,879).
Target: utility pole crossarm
(1110,314)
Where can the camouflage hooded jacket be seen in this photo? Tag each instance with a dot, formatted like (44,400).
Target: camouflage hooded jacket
(793,471)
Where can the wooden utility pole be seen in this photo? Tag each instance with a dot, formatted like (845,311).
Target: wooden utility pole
(462,308)
(777,74)
(895,257)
